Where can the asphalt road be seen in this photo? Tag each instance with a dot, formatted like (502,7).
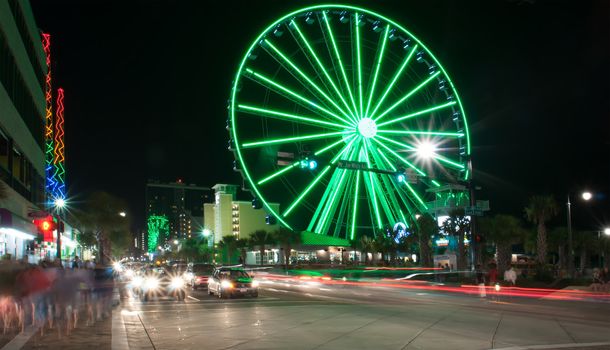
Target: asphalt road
(315,315)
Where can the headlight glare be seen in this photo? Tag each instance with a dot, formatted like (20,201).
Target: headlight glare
(151,283)
(137,281)
(177,283)
(255,284)
(226,284)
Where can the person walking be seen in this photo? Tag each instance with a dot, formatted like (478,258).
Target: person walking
(510,276)
(480,281)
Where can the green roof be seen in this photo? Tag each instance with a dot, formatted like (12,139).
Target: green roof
(310,238)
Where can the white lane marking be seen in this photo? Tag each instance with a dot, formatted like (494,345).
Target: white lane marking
(119,333)
(276,290)
(190,297)
(325,289)
(20,339)
(554,346)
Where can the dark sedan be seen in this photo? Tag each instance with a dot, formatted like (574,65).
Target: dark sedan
(227,282)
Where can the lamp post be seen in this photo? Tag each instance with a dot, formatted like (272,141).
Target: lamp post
(59,204)
(586,196)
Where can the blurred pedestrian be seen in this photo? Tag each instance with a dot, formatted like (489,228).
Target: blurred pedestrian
(492,274)
(510,276)
(480,280)
(76,264)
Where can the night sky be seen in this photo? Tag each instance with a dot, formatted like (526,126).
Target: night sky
(147,84)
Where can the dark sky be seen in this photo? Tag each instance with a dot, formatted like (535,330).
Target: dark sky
(147,84)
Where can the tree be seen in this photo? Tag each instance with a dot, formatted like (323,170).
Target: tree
(558,239)
(242,245)
(425,227)
(366,245)
(100,215)
(503,231)
(539,210)
(586,242)
(261,238)
(382,244)
(458,226)
(286,239)
(228,243)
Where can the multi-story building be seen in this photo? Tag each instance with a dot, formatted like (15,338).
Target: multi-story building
(22,120)
(181,203)
(229,216)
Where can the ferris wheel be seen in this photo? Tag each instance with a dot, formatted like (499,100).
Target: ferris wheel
(346,120)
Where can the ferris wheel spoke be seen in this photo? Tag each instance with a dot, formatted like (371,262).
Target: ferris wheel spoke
(399,157)
(288,116)
(317,178)
(432,154)
(386,159)
(355,207)
(337,186)
(384,40)
(383,186)
(416,195)
(370,185)
(394,79)
(338,56)
(292,166)
(304,76)
(428,133)
(358,62)
(293,139)
(321,66)
(418,113)
(288,93)
(409,94)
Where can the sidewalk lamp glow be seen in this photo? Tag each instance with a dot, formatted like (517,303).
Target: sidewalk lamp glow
(175,241)
(607,231)
(60,202)
(587,196)
(206,232)
(122,214)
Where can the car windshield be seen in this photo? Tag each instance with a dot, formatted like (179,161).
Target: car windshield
(233,274)
(205,269)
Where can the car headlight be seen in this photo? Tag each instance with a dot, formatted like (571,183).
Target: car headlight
(129,273)
(226,284)
(151,283)
(255,284)
(177,283)
(137,281)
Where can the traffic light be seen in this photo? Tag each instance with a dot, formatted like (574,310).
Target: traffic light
(45,227)
(270,220)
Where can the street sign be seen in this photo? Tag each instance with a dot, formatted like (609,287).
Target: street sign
(473,211)
(346,164)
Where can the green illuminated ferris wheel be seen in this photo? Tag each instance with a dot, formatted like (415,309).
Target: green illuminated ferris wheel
(346,120)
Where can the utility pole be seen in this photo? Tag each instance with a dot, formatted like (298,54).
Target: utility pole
(570,246)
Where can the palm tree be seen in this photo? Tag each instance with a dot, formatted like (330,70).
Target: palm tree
(558,238)
(287,239)
(425,228)
(366,245)
(458,226)
(228,242)
(539,210)
(585,243)
(503,231)
(261,238)
(242,245)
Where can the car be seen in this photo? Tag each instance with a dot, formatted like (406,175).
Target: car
(227,282)
(159,283)
(197,275)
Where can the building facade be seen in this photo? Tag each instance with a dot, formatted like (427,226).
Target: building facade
(22,120)
(229,216)
(182,204)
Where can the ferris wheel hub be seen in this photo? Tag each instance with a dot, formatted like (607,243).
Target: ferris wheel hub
(367,127)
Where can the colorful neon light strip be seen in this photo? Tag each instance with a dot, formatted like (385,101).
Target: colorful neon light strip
(59,155)
(48,131)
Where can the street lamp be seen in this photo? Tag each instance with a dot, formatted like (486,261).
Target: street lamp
(175,242)
(586,195)
(607,231)
(123,214)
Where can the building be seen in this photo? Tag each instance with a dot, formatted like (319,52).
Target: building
(229,216)
(181,203)
(22,121)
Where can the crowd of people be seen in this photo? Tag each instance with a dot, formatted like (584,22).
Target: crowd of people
(50,296)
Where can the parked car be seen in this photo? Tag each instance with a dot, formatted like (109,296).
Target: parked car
(197,275)
(227,282)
